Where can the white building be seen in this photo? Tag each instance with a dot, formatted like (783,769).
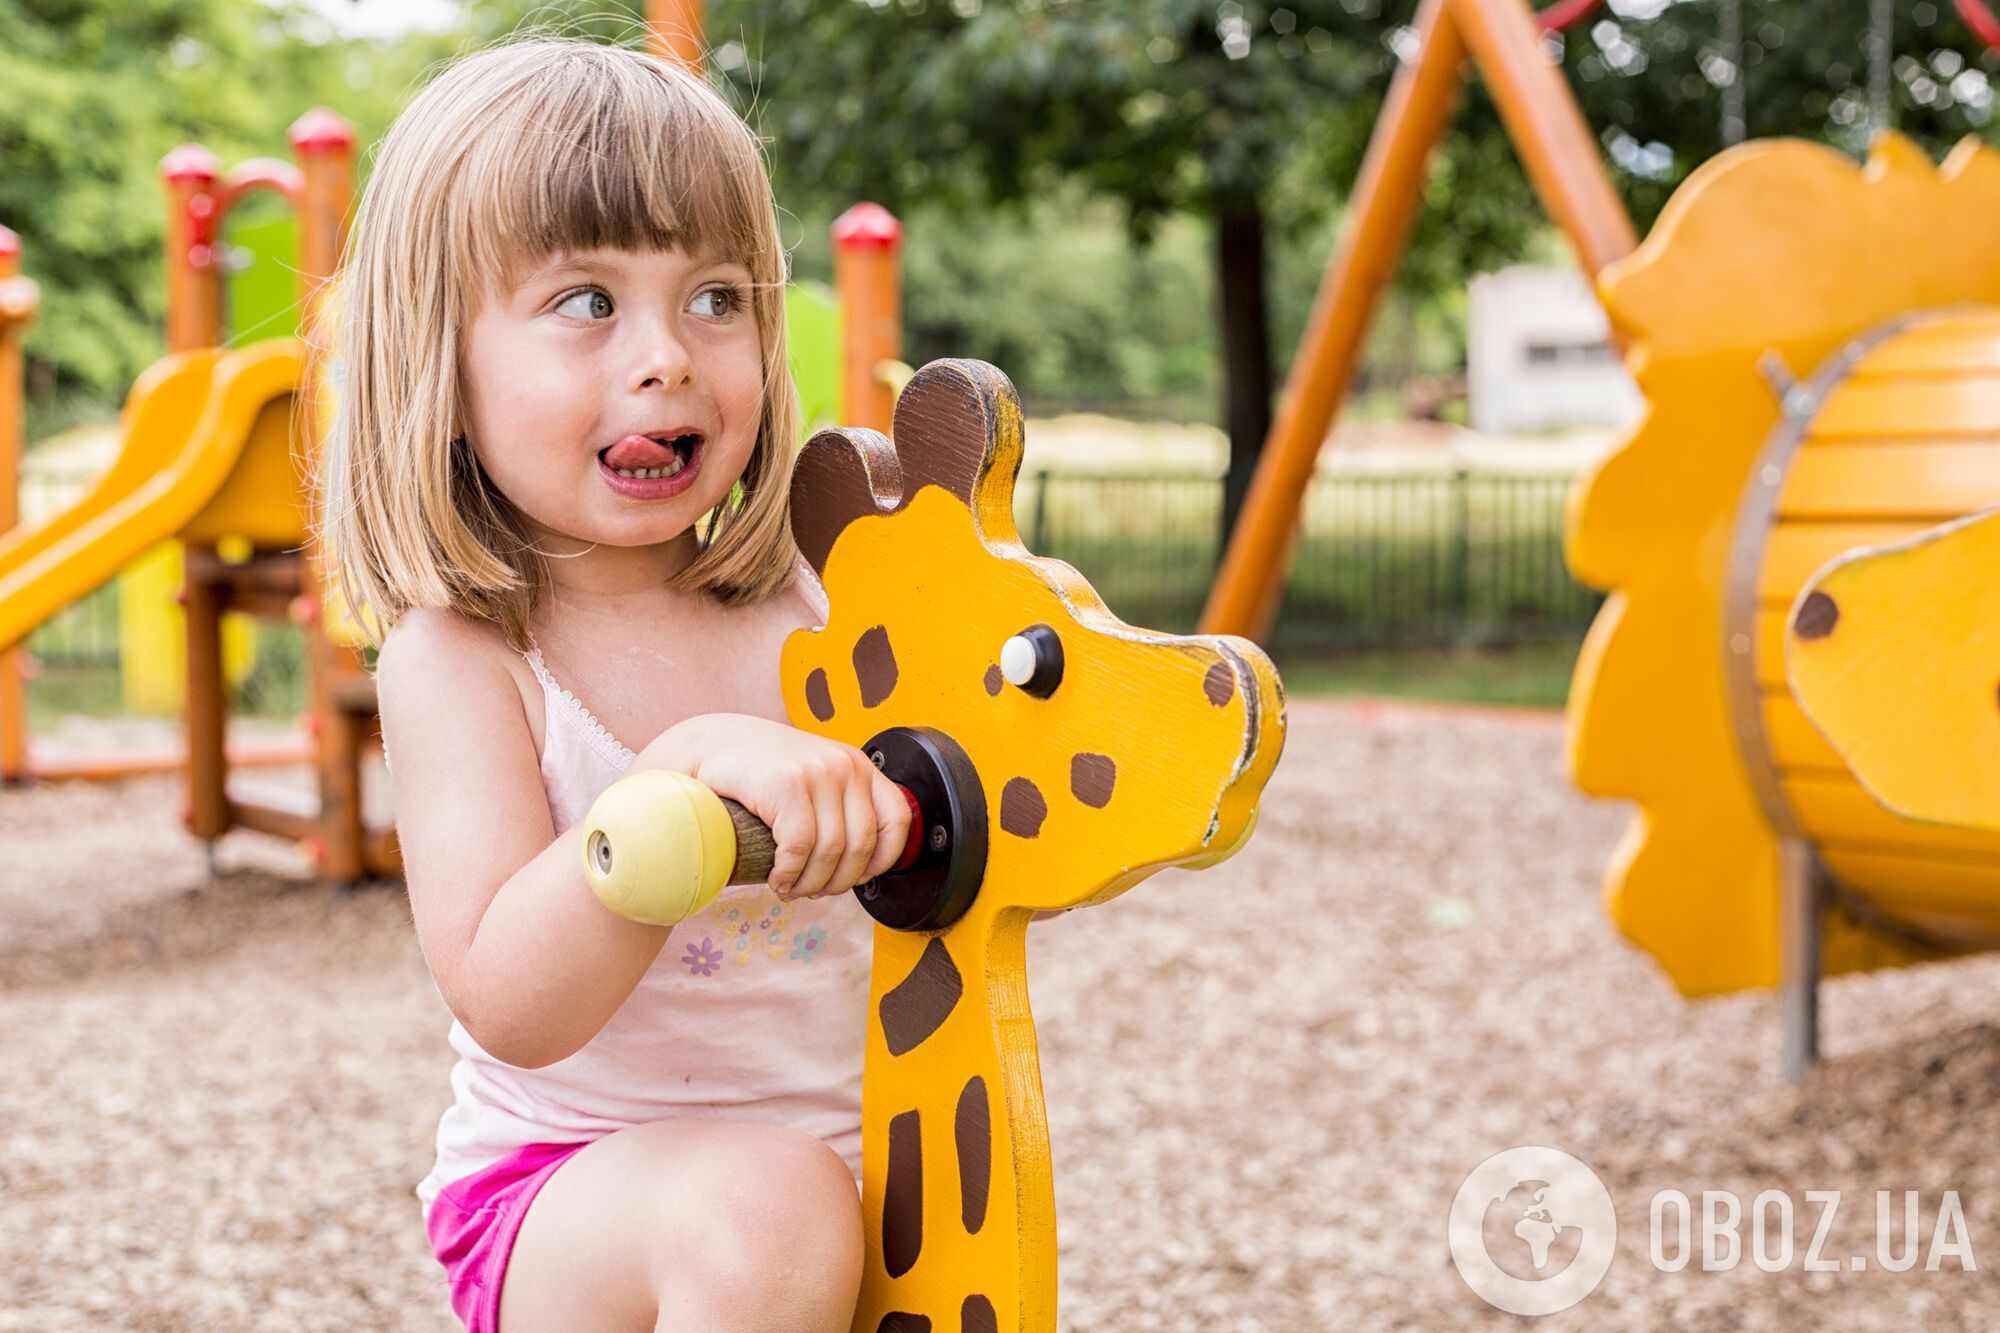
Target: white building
(1538,357)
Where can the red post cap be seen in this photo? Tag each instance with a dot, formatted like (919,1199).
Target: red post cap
(10,244)
(321,131)
(190,162)
(867,227)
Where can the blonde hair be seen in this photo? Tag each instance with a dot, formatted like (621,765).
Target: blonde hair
(512,154)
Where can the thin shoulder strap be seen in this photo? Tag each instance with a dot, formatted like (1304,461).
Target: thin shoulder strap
(565,704)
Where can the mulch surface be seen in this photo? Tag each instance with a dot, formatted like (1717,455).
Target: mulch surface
(1265,1081)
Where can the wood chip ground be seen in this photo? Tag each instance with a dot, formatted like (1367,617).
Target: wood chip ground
(1265,1081)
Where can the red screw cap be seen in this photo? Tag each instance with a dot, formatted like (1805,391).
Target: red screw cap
(321,131)
(867,227)
(190,162)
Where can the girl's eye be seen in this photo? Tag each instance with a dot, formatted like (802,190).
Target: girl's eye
(585,303)
(727,300)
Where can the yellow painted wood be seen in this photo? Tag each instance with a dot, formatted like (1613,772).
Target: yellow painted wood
(1907,683)
(152,635)
(1941,889)
(1192,726)
(1957,406)
(1774,247)
(1794,552)
(1875,480)
(1836,808)
(1795,742)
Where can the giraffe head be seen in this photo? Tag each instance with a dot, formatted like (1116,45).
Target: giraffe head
(1119,752)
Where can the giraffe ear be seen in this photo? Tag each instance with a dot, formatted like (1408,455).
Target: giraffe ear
(958,425)
(840,476)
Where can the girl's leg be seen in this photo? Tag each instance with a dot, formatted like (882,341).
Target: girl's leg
(690,1224)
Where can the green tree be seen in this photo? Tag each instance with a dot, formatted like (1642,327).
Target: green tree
(94,92)
(1165,107)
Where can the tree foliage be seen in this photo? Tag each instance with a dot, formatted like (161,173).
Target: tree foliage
(94,92)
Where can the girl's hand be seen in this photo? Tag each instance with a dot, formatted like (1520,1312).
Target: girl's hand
(835,820)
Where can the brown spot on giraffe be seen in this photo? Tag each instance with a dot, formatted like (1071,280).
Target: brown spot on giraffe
(977,1316)
(1091,778)
(874,666)
(1817,616)
(818,697)
(903,1195)
(972,1132)
(921,1002)
(1219,684)
(898,1322)
(1022,808)
(993,680)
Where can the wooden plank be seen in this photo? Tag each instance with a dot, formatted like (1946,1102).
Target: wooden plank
(1796,745)
(1930,481)
(1967,890)
(1951,406)
(1835,808)
(1795,551)
(1965,341)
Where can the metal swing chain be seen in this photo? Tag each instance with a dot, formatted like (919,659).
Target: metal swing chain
(1734,116)
(1881,27)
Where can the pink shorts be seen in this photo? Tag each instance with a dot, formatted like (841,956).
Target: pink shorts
(473,1222)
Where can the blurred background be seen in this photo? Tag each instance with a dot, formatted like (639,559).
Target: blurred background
(1091,194)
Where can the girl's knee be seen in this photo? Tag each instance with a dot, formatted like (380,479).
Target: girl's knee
(785,1198)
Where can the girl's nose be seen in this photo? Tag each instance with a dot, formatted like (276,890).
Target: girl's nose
(662,360)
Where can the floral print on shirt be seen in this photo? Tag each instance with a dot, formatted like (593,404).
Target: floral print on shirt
(748,928)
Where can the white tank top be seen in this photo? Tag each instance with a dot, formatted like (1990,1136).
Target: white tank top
(756,1009)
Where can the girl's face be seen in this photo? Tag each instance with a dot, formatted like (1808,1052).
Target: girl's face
(614,395)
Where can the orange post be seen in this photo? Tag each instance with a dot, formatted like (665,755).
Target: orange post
(675,30)
(1548,130)
(867,249)
(324,144)
(194,298)
(1415,116)
(17,307)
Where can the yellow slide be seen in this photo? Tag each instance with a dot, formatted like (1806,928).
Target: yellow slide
(207,453)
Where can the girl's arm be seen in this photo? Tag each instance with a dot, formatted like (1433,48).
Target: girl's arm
(522,951)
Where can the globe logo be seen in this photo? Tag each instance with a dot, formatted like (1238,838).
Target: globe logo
(1533,1230)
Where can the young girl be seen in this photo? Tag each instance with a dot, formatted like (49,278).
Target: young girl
(564,439)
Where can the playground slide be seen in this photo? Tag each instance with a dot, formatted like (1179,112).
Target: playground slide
(206,452)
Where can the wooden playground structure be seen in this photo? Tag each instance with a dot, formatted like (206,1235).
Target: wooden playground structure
(1815,392)
(1820,379)
(216,453)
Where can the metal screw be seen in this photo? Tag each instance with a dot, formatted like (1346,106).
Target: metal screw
(939,838)
(877,758)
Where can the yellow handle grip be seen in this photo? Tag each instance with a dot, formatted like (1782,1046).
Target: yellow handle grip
(658,847)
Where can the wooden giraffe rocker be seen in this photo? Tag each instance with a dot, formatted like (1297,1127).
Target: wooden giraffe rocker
(1057,756)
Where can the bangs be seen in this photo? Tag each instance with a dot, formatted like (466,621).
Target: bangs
(577,160)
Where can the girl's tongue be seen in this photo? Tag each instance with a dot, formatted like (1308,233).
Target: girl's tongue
(636,451)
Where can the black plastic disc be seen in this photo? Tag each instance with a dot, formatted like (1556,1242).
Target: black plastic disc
(940,885)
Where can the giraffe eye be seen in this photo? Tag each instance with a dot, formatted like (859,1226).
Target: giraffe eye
(1033,660)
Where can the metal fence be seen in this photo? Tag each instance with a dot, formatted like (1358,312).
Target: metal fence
(1406,559)
(1392,560)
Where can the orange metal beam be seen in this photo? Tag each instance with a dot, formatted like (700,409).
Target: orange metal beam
(1414,117)
(1561,158)
(867,249)
(17,307)
(675,30)
(1548,129)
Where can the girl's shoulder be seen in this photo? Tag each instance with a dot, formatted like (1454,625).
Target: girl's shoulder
(435,658)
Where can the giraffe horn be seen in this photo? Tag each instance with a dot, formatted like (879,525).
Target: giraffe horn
(840,476)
